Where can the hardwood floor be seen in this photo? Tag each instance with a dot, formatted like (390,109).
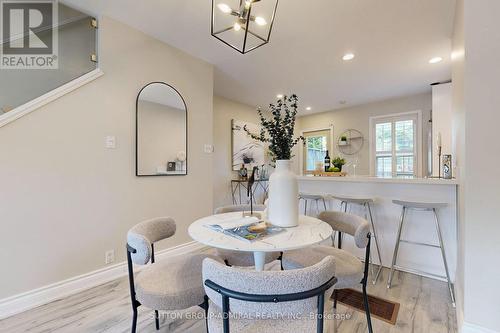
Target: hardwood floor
(425,307)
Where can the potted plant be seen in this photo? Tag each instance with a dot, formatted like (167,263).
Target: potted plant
(278,132)
(343,140)
(338,162)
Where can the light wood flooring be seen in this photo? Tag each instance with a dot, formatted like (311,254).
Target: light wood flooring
(425,307)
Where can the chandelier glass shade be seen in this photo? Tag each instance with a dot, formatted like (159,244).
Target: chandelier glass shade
(243,25)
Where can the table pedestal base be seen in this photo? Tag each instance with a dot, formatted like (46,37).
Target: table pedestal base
(259,260)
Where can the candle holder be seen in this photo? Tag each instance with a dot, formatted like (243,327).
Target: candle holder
(439,162)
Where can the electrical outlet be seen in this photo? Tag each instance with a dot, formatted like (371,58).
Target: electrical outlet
(110,142)
(109,257)
(209,148)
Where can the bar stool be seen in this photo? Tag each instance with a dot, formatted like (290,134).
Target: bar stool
(312,197)
(366,203)
(421,206)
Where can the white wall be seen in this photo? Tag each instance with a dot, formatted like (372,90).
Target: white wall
(481,160)
(224,111)
(441,123)
(65,199)
(358,117)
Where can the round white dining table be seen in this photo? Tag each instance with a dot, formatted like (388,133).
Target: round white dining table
(310,231)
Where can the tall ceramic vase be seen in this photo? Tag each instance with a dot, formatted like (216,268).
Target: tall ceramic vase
(283,210)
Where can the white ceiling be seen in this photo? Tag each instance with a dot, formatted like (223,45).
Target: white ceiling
(393,41)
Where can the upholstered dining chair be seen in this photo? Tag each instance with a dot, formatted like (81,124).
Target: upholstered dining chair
(238,258)
(171,284)
(350,271)
(244,300)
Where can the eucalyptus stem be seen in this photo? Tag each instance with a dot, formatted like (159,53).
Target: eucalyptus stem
(278,130)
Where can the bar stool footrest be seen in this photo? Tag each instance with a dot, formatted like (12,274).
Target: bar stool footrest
(419,272)
(419,243)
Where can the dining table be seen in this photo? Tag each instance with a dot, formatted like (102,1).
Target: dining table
(309,231)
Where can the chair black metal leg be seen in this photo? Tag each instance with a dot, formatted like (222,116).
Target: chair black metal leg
(367,309)
(205,304)
(335,296)
(225,314)
(321,313)
(364,282)
(157,320)
(134,320)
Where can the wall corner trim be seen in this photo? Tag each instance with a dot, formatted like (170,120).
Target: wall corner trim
(52,95)
(28,300)
(472,328)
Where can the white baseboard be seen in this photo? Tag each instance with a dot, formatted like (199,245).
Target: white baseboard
(471,328)
(28,300)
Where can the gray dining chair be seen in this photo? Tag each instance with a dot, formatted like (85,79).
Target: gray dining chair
(171,284)
(243,300)
(239,258)
(350,271)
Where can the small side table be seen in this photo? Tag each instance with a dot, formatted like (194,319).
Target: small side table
(242,184)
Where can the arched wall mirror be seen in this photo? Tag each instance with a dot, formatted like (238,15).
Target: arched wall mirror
(161,131)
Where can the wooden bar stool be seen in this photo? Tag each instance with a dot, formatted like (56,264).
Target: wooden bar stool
(316,198)
(421,206)
(366,203)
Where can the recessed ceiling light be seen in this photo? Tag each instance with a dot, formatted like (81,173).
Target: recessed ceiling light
(309,108)
(348,56)
(435,60)
(280,96)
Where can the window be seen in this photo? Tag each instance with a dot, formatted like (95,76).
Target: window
(395,145)
(316,145)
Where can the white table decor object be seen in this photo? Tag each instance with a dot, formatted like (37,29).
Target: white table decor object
(308,232)
(283,208)
(181,157)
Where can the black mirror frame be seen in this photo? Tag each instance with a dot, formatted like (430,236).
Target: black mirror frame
(137,131)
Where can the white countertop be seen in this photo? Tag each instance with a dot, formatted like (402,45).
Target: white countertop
(370,179)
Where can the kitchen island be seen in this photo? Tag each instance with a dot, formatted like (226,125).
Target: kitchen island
(419,226)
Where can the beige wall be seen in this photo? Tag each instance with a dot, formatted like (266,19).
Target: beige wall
(458,148)
(357,117)
(65,199)
(481,102)
(224,111)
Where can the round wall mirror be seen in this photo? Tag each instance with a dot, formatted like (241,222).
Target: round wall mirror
(161,131)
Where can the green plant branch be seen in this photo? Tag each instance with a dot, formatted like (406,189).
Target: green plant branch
(278,131)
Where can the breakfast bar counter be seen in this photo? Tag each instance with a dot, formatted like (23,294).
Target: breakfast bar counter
(418,227)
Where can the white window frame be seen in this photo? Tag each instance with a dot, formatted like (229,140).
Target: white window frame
(301,150)
(418,144)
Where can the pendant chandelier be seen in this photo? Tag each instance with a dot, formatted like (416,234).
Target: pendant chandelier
(244,25)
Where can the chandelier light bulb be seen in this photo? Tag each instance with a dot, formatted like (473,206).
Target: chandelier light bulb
(224,8)
(260,20)
(237,27)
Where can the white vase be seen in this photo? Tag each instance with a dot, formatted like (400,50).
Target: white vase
(283,209)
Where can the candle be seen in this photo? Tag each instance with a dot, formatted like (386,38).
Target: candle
(439,139)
